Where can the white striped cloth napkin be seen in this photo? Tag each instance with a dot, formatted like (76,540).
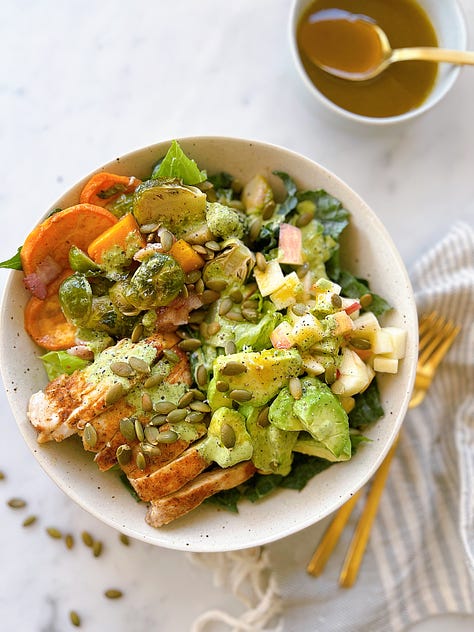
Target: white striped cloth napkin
(420,557)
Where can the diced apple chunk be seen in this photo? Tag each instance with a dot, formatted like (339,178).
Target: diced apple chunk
(354,375)
(347,403)
(281,336)
(325,285)
(344,323)
(366,325)
(307,332)
(399,341)
(270,279)
(385,365)
(382,342)
(286,294)
(290,248)
(311,365)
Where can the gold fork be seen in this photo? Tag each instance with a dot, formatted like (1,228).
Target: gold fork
(436,337)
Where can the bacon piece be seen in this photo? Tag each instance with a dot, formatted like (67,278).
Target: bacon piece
(169,318)
(37,282)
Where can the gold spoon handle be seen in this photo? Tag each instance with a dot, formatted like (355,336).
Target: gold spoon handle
(433,54)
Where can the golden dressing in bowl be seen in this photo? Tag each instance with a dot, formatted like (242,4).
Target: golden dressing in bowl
(329,32)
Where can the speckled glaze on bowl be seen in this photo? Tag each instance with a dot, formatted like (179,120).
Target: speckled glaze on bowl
(367,250)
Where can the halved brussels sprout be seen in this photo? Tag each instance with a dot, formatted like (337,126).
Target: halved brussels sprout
(75,298)
(157,281)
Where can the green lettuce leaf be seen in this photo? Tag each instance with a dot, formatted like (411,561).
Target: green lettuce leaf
(14,263)
(368,408)
(329,211)
(59,362)
(354,288)
(176,164)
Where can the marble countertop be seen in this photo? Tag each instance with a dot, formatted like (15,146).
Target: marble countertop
(83,82)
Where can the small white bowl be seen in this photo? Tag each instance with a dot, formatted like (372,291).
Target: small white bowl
(367,251)
(449,24)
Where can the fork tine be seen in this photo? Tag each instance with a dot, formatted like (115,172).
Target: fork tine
(443,331)
(427,330)
(437,353)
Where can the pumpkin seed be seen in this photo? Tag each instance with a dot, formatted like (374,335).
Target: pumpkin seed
(336,301)
(127,428)
(261,262)
(213,328)
(330,374)
(230,347)
(200,407)
(69,541)
(222,386)
(295,387)
(366,300)
(199,286)
(195,417)
(255,228)
(250,304)
(123,454)
(199,249)
(168,436)
(203,330)
(304,219)
(217,285)
(29,521)
(190,344)
(268,209)
(97,548)
(193,276)
(177,415)
(16,503)
(54,533)
(124,539)
(209,296)
(201,375)
(90,435)
(238,204)
(361,343)
(171,356)
(299,309)
(234,315)
(158,420)
(228,437)
(197,394)
(139,430)
(225,306)
(149,228)
(115,392)
(164,407)
(251,315)
(240,395)
(113,593)
(184,292)
(153,380)
(233,368)
(122,369)
(150,450)
(262,419)
(140,461)
(166,239)
(236,295)
(139,365)
(147,403)
(185,400)
(75,619)
(137,332)
(87,539)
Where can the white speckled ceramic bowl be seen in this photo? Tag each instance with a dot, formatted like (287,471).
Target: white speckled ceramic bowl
(449,24)
(367,250)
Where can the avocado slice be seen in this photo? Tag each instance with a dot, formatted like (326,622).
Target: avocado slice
(323,416)
(181,209)
(264,374)
(281,413)
(272,447)
(306,444)
(214,447)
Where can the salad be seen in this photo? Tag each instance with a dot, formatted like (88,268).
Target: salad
(200,336)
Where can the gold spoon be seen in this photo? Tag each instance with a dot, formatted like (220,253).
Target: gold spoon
(387,56)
